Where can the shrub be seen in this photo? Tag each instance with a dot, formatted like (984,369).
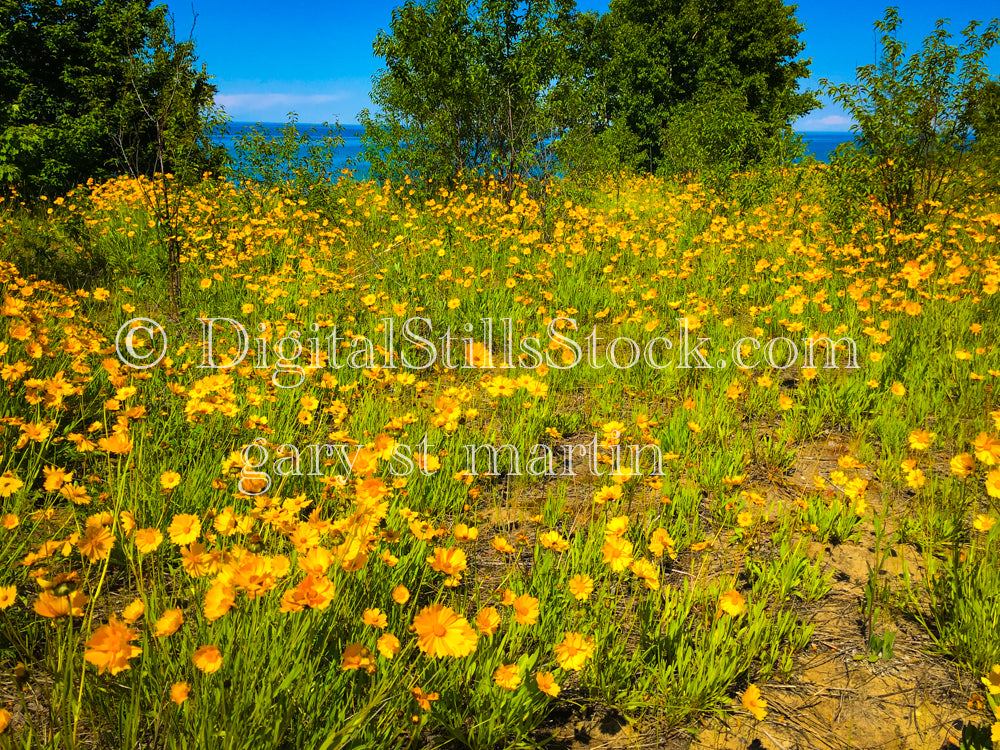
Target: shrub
(297,160)
(915,133)
(727,146)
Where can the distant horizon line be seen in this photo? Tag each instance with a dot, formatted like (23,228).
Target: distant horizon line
(358,125)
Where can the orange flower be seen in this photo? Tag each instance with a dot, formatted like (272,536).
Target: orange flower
(661,542)
(357,656)
(134,611)
(855,488)
(313,591)
(443,632)
(179,692)
(982,523)
(100,518)
(8,595)
(169,480)
(119,442)
(75,494)
(553,540)
(225,521)
(50,605)
(488,620)
(96,543)
(616,527)
(987,449)
(184,528)
(255,574)
(371,491)
(219,599)
(581,586)
(915,479)
(452,562)
(525,609)
(169,622)
(4,720)
(9,484)
(647,572)
(55,478)
(400,595)
(207,659)
(388,645)
(507,676)
(732,603)
(423,699)
(110,647)
(753,703)
(317,560)
(195,561)
(607,493)
(617,553)
(962,465)
(920,440)
(147,540)
(305,537)
(375,618)
(574,651)
(547,683)
(993,483)
(500,544)
(992,680)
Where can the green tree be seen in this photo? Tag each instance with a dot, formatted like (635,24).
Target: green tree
(90,88)
(983,116)
(165,116)
(662,54)
(297,161)
(161,126)
(476,87)
(589,146)
(716,137)
(918,121)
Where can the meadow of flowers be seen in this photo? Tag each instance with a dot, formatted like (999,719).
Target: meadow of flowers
(148,598)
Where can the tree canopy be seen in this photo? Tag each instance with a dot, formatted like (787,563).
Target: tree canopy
(667,53)
(499,85)
(921,118)
(468,86)
(93,87)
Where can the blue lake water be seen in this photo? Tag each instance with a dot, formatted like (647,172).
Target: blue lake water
(818,144)
(821,145)
(345,156)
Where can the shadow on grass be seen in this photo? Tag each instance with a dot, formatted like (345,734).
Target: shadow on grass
(54,253)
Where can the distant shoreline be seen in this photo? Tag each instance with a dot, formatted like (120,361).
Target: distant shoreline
(353,125)
(819,143)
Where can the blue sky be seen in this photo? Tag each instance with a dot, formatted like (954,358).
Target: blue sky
(316,58)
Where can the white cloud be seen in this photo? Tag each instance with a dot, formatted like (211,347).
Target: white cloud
(334,100)
(818,122)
